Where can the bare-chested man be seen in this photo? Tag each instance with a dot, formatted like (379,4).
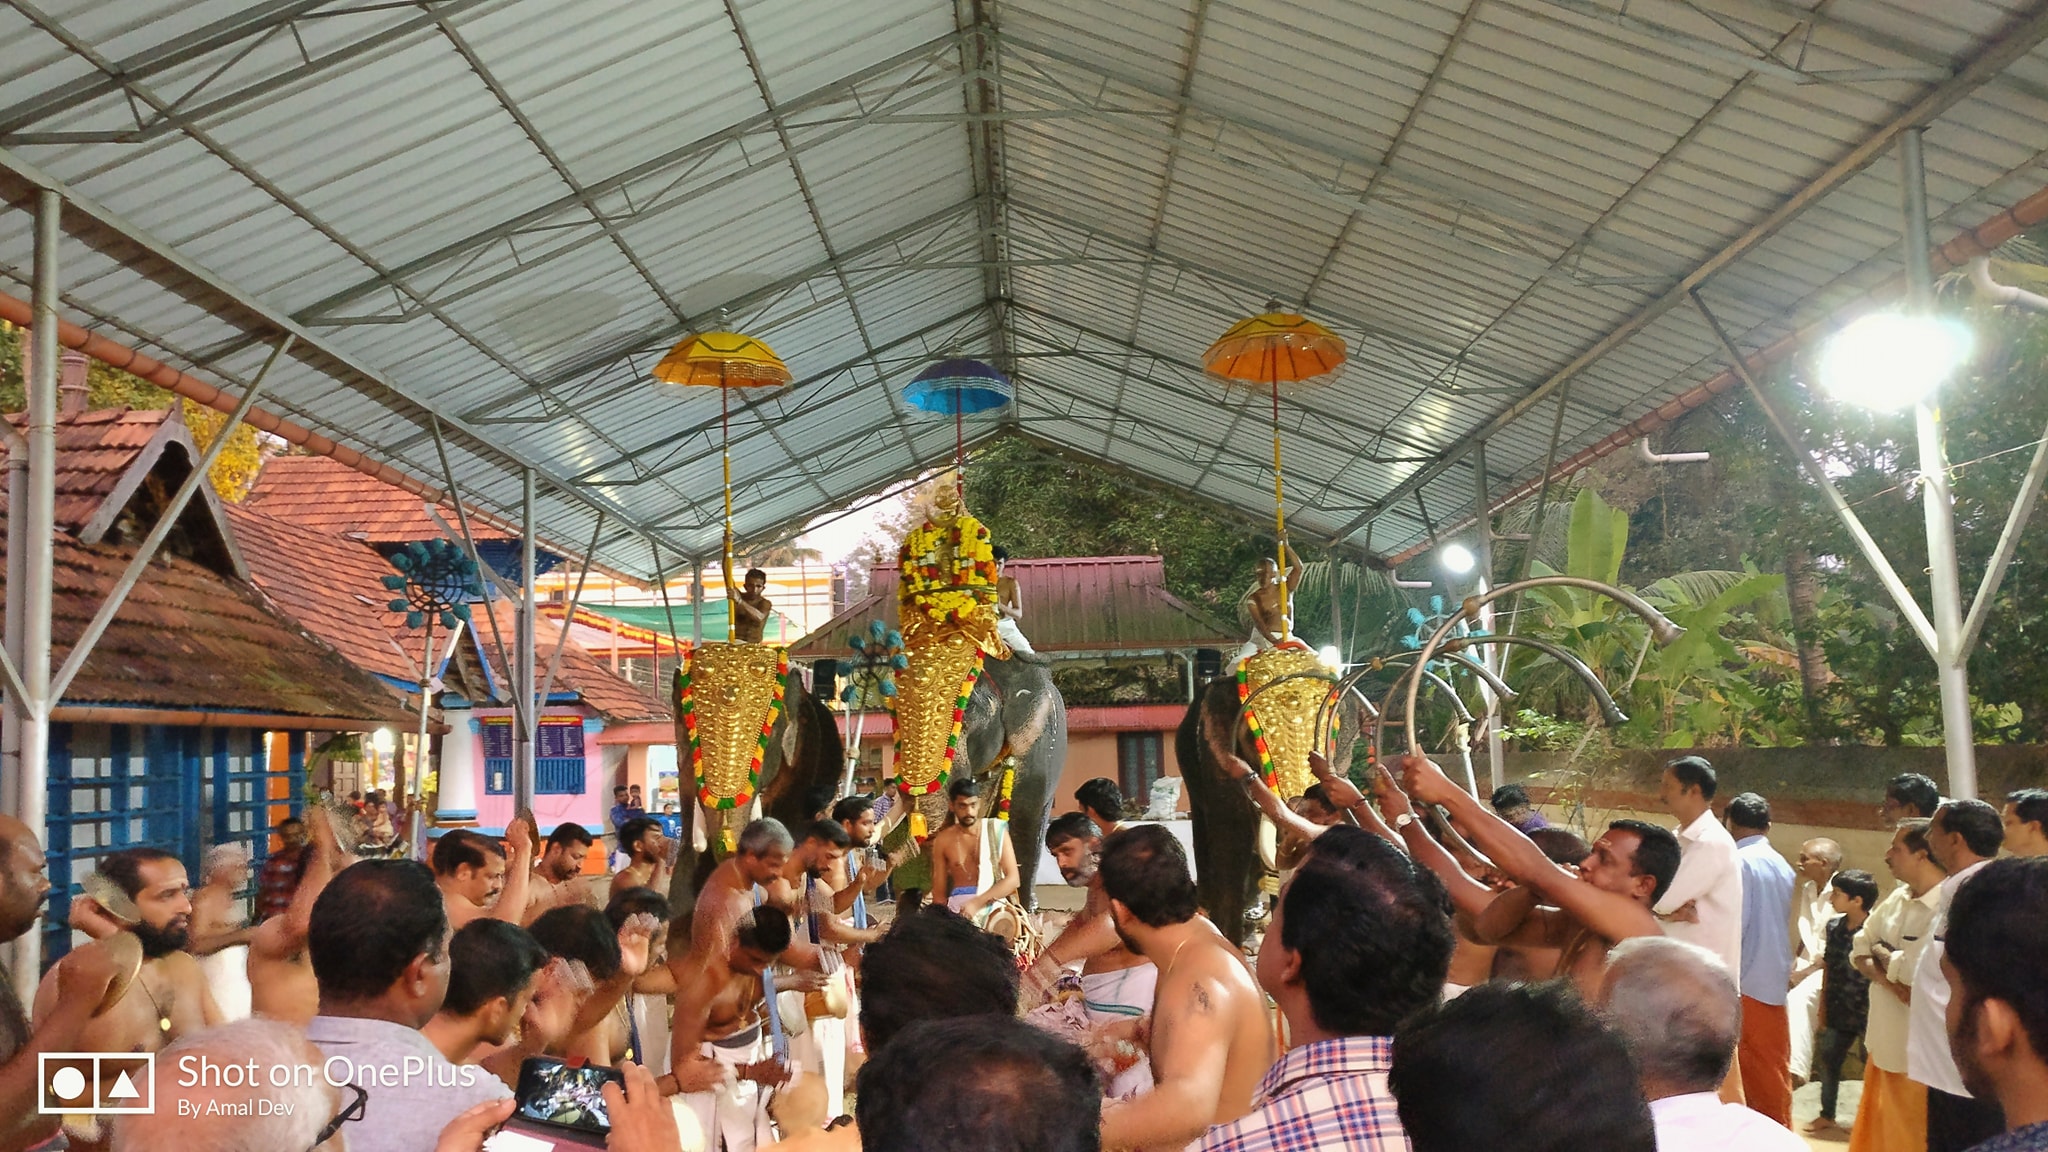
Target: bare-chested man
(729,893)
(974,864)
(1211,1043)
(169,997)
(1606,900)
(1270,623)
(720,1050)
(751,607)
(476,879)
(281,984)
(554,874)
(614,957)
(1009,606)
(647,856)
(83,980)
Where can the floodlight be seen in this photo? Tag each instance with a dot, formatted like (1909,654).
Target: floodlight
(1330,657)
(1457,559)
(1887,361)
(381,740)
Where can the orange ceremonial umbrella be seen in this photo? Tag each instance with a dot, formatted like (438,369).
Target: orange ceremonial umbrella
(723,360)
(1270,351)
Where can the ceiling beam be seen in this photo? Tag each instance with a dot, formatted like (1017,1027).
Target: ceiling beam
(125,244)
(255,19)
(931,53)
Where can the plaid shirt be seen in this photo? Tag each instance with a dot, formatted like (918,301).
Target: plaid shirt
(1330,1095)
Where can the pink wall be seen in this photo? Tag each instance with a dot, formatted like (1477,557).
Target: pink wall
(589,809)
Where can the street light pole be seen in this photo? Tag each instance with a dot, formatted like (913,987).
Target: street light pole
(1952,661)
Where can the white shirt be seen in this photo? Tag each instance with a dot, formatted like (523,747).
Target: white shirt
(1928,1059)
(1700,1122)
(1709,877)
(1810,934)
(1900,920)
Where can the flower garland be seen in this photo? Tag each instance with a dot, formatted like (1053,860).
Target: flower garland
(953,738)
(686,700)
(1268,774)
(948,593)
(1003,793)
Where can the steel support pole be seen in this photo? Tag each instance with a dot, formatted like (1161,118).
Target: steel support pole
(1951,659)
(1491,654)
(526,718)
(38,531)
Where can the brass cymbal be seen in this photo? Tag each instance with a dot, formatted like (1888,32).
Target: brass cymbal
(126,950)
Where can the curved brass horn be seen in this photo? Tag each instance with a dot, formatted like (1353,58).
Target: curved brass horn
(1661,627)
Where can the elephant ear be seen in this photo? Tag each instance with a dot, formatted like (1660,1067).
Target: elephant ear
(790,737)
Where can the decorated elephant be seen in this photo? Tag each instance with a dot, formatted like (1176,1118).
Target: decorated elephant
(1014,709)
(800,757)
(1275,739)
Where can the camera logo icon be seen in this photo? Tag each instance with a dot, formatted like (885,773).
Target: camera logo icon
(97,1082)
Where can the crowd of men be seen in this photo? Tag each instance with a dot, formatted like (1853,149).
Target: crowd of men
(1436,974)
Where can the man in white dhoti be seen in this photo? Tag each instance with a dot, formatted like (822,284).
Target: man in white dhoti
(1106,1007)
(1811,910)
(723,1045)
(1009,607)
(220,928)
(973,862)
(1271,622)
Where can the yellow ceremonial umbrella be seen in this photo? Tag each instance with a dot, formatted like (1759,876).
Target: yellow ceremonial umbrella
(1270,351)
(723,360)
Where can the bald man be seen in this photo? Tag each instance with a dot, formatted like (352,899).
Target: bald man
(82,984)
(1812,908)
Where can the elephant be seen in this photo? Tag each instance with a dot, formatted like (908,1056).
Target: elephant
(1226,824)
(1014,705)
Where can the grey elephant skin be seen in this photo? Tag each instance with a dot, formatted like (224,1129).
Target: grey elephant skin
(1226,824)
(1014,704)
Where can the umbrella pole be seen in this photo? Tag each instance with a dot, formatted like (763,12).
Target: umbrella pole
(959,452)
(1280,518)
(725,456)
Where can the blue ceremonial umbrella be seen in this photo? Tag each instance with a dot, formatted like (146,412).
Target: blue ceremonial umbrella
(954,387)
(958,386)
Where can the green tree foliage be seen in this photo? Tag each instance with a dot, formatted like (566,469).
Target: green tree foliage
(1039,504)
(233,473)
(1754,505)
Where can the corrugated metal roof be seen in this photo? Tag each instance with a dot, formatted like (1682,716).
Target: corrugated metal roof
(1071,604)
(496,214)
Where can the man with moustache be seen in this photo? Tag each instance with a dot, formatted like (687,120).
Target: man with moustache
(82,983)
(169,997)
(555,873)
(1116,985)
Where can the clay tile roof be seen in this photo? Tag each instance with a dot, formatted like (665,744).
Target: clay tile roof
(328,496)
(95,450)
(331,587)
(1071,604)
(190,639)
(617,699)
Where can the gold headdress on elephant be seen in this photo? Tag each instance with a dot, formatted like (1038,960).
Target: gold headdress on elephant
(947,605)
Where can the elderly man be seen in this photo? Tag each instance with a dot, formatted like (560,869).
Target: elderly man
(1676,1006)
(1812,909)
(1964,836)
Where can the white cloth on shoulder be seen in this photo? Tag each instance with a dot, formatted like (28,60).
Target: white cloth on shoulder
(227,975)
